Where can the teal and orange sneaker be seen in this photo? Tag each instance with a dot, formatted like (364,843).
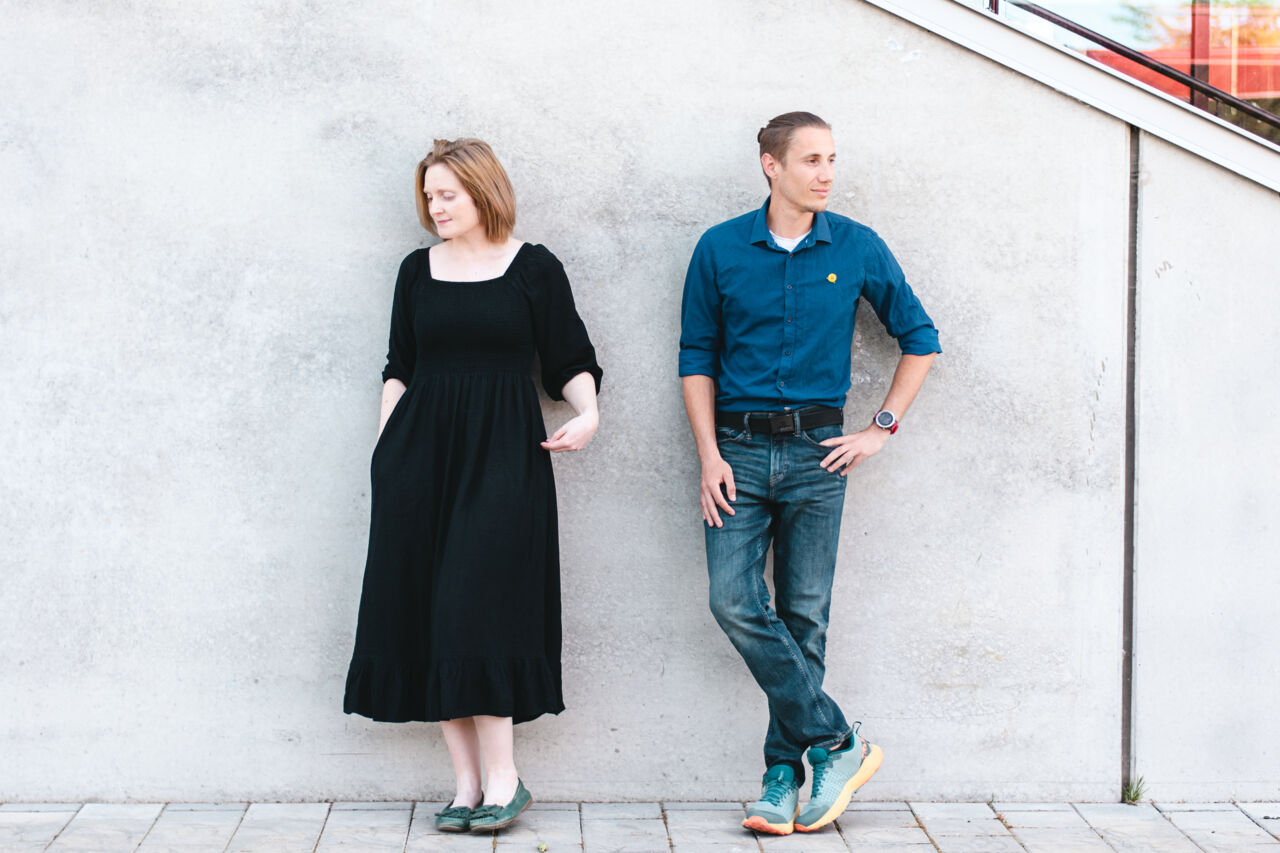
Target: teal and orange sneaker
(836,775)
(775,811)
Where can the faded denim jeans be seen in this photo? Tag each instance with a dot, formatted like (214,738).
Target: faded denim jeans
(787,499)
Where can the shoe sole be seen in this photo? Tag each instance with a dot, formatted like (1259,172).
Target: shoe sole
(451,828)
(759,824)
(870,765)
(491,827)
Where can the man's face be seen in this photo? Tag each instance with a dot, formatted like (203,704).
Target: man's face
(802,179)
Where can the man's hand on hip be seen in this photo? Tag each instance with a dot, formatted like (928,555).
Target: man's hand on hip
(849,451)
(716,474)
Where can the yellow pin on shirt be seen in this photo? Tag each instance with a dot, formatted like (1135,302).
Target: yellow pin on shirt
(832,278)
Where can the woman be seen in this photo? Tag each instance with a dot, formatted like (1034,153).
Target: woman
(460,612)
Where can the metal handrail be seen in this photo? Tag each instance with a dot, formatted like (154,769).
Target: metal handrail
(1155,65)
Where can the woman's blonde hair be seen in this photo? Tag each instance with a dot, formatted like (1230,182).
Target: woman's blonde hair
(481,175)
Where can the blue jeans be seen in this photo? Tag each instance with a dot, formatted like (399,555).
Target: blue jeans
(784,496)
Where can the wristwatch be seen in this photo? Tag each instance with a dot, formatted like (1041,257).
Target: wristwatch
(886,419)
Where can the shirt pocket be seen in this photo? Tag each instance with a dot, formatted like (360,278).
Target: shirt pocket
(829,300)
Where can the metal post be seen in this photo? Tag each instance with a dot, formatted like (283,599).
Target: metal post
(1200,49)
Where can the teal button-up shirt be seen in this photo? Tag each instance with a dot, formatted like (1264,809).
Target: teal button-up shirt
(775,329)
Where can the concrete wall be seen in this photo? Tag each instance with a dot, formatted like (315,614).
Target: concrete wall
(205,207)
(1207,593)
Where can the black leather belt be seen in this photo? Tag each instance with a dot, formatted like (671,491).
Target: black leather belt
(781,423)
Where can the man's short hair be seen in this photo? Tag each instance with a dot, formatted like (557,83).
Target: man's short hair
(775,137)
(481,175)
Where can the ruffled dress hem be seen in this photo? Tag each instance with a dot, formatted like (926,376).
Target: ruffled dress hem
(392,692)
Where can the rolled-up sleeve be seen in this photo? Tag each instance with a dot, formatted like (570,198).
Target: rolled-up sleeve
(701,325)
(887,292)
(402,349)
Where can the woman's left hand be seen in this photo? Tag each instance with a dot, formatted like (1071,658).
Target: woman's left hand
(575,433)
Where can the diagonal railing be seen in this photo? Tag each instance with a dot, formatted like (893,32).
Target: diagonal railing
(1202,94)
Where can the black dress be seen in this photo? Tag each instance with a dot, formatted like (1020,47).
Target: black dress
(460,611)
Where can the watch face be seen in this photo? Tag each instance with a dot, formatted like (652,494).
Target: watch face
(884,420)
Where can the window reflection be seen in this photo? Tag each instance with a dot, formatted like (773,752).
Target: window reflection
(1232,45)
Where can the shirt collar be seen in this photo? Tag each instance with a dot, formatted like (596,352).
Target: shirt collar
(820,233)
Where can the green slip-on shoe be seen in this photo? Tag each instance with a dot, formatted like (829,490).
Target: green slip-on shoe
(491,817)
(454,818)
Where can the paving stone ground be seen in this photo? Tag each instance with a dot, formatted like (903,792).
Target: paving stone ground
(673,827)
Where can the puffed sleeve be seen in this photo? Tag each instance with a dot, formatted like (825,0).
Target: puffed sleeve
(402,350)
(563,346)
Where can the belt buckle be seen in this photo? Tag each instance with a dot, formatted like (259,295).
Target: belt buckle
(782,424)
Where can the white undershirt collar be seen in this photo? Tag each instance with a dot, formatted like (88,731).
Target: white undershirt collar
(788,243)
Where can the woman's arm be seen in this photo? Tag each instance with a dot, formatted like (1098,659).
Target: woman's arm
(392,391)
(580,392)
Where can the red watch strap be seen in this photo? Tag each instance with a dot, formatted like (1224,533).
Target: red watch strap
(892,429)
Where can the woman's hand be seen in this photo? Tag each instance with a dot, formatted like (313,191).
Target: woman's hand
(580,392)
(392,391)
(575,433)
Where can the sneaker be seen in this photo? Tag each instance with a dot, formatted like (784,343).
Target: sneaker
(836,775)
(454,818)
(491,817)
(775,811)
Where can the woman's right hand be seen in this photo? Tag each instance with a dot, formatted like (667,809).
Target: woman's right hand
(392,391)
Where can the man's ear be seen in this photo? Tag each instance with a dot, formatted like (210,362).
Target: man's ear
(770,165)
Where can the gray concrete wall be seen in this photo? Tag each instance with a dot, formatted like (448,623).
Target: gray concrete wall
(1207,594)
(205,207)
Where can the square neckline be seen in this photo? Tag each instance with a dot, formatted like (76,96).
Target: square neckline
(510,265)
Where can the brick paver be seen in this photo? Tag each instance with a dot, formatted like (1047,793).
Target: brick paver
(648,827)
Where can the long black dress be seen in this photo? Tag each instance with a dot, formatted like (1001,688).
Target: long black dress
(460,611)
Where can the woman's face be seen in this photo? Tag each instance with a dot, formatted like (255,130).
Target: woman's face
(448,204)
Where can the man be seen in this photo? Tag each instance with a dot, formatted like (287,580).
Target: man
(765,348)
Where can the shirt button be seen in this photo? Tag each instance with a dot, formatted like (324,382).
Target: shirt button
(788,319)
(782,385)
(786,352)
(788,287)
